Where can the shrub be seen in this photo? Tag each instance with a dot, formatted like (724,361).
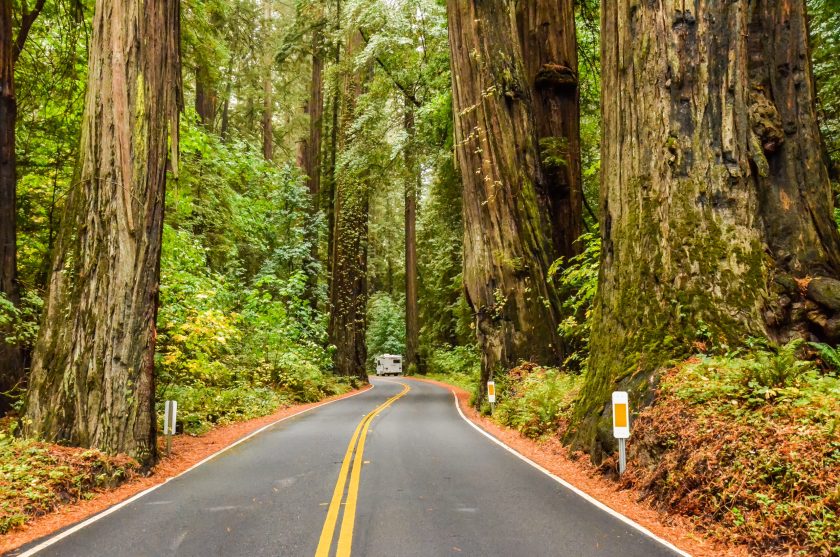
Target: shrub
(577,281)
(747,443)
(459,365)
(536,401)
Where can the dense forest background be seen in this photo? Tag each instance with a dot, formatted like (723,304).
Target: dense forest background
(314,131)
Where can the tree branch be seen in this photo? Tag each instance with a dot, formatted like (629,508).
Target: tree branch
(25,25)
(411,97)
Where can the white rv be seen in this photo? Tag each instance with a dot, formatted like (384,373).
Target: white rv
(389,364)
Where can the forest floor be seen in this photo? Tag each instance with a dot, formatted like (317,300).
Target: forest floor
(96,482)
(576,469)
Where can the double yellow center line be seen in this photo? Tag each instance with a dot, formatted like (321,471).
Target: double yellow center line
(345,536)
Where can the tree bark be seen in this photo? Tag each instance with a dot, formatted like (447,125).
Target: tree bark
(507,242)
(549,50)
(92,381)
(348,296)
(412,329)
(715,201)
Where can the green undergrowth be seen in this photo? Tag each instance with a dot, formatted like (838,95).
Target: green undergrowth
(749,445)
(201,407)
(459,366)
(37,478)
(536,401)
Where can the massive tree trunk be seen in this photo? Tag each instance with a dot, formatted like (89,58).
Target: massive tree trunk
(507,243)
(348,294)
(549,51)
(92,381)
(715,200)
(412,328)
(12,372)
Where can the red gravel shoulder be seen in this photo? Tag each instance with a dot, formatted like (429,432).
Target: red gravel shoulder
(578,471)
(186,452)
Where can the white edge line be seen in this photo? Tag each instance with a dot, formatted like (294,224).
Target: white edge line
(572,488)
(58,537)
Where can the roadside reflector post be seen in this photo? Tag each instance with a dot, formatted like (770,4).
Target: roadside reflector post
(170,415)
(491,395)
(621,426)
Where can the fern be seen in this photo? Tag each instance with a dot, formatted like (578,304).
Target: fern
(830,355)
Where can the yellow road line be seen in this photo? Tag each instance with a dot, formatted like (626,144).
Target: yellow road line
(346,536)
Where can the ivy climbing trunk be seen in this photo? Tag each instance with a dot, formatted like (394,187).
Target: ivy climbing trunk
(507,241)
(92,381)
(348,290)
(412,327)
(715,202)
(549,50)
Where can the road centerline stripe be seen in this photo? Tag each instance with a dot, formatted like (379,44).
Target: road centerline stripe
(357,442)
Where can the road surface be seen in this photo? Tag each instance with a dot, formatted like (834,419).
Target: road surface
(424,483)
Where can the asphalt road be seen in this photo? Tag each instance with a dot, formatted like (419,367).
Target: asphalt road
(425,484)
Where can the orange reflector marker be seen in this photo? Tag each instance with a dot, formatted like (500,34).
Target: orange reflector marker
(620,415)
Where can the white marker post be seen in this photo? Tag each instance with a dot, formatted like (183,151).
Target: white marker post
(621,426)
(169,416)
(491,395)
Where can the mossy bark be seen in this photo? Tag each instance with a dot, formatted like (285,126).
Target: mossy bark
(714,199)
(546,31)
(92,381)
(507,241)
(348,288)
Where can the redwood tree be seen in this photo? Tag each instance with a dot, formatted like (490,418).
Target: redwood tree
(412,326)
(310,153)
(11,354)
(92,381)
(716,206)
(507,244)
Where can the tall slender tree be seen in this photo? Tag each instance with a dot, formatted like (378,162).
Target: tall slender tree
(348,293)
(546,31)
(268,83)
(11,353)
(412,326)
(507,242)
(716,205)
(312,151)
(92,381)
